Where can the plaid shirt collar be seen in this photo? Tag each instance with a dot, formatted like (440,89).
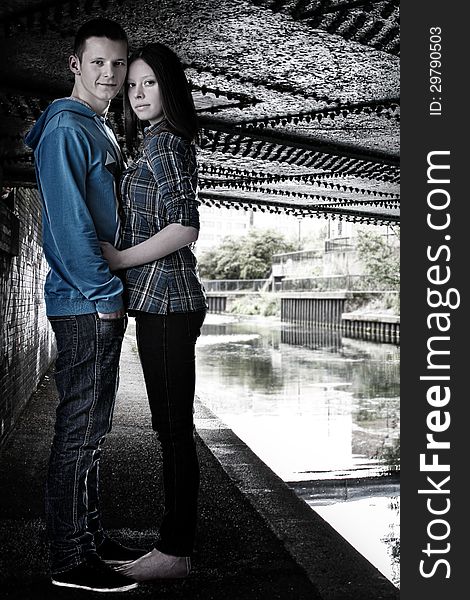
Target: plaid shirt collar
(156,127)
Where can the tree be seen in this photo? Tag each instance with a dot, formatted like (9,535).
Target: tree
(247,257)
(381,260)
(207,263)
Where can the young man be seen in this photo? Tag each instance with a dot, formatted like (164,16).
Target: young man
(78,164)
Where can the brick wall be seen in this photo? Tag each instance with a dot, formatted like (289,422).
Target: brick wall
(26,340)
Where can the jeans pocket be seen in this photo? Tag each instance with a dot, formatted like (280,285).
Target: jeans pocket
(66,334)
(112,327)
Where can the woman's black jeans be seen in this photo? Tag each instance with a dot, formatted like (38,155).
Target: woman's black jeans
(166,346)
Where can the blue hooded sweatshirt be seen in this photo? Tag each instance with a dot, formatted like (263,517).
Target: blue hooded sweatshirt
(77,170)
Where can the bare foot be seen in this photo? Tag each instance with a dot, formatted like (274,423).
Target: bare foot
(156,565)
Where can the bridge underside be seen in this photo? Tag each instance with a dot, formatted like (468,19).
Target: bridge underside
(298,100)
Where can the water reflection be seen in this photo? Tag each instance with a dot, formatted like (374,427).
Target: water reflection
(311,337)
(320,410)
(337,410)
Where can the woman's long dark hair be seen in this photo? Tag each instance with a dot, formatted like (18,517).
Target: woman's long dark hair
(177,100)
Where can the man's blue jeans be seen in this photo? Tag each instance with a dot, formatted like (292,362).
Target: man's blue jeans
(86,375)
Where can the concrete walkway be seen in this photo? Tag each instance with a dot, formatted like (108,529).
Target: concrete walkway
(256,539)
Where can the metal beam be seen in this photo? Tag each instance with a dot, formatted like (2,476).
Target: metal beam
(300,141)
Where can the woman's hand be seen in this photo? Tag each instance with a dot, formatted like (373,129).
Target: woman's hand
(112,256)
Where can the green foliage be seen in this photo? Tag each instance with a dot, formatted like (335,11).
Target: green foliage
(381,260)
(265,304)
(247,257)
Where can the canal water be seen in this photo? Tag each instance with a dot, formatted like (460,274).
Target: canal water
(322,411)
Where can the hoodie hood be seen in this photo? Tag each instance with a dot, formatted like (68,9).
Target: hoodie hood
(55,108)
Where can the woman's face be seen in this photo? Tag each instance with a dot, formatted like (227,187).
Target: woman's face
(144,92)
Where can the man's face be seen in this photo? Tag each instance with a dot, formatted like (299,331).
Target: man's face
(100,73)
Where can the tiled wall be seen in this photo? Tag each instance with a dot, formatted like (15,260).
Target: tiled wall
(26,340)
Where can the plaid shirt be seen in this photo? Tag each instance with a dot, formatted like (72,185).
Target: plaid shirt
(158,189)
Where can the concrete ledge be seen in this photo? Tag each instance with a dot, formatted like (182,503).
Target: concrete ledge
(370,317)
(327,295)
(338,571)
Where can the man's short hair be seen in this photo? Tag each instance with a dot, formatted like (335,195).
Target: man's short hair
(99,27)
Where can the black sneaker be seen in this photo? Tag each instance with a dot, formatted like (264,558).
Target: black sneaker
(114,553)
(94,575)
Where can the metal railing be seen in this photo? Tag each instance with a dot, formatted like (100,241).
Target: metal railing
(348,244)
(360,283)
(300,255)
(235,285)
(334,283)
(344,244)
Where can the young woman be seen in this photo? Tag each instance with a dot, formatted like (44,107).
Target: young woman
(164,292)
